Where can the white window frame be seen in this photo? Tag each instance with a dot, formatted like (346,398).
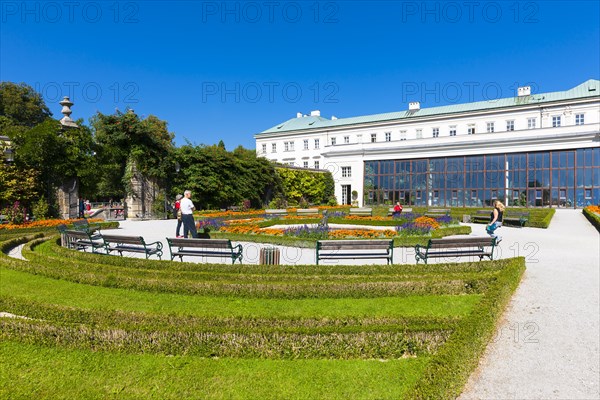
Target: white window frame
(388,136)
(264,148)
(531,123)
(333,141)
(579,119)
(317,165)
(305,144)
(373,138)
(403,135)
(556,121)
(419,133)
(286,146)
(490,127)
(452,131)
(510,125)
(346,172)
(317,144)
(305,164)
(346,139)
(435,132)
(273,147)
(471,129)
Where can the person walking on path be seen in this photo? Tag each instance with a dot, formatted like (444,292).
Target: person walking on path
(187,208)
(496,218)
(178,214)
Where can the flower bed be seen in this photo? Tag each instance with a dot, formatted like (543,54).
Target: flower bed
(46,223)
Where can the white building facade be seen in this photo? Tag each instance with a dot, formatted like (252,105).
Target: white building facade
(536,150)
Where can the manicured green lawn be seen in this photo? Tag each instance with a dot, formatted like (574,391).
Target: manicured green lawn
(32,371)
(45,290)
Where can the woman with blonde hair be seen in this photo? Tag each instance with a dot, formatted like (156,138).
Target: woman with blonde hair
(496,218)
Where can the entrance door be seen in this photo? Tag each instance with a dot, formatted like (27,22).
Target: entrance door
(346,194)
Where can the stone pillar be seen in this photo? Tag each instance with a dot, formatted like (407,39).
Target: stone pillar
(144,192)
(68,199)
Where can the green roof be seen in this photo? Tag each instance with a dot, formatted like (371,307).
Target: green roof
(589,88)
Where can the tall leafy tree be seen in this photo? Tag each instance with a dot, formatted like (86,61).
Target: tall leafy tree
(22,105)
(124,138)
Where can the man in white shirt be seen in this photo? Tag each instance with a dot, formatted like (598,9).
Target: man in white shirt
(187,208)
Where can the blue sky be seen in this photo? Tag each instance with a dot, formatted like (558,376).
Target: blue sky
(228,70)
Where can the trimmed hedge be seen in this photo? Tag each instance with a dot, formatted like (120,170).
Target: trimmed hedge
(593,218)
(450,367)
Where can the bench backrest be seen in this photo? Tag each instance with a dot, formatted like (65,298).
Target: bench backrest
(361,211)
(354,244)
(203,243)
(77,234)
(461,242)
(307,211)
(438,210)
(124,239)
(276,211)
(483,212)
(516,214)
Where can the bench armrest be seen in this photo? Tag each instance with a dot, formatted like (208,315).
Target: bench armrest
(158,244)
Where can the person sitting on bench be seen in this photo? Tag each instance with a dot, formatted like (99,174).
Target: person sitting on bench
(397,209)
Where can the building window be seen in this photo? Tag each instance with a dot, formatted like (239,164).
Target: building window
(531,122)
(359,138)
(490,127)
(346,139)
(452,130)
(274,148)
(556,121)
(305,164)
(494,194)
(402,135)
(455,195)
(346,172)
(305,144)
(474,194)
(579,119)
(264,148)
(419,133)
(316,143)
(316,165)
(333,141)
(471,129)
(291,146)
(510,125)
(388,136)
(418,195)
(562,194)
(373,137)
(436,194)
(286,146)
(435,132)
(588,193)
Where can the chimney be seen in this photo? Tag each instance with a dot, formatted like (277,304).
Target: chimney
(315,113)
(414,106)
(524,91)
(299,115)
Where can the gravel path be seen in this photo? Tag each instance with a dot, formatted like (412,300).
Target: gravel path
(548,344)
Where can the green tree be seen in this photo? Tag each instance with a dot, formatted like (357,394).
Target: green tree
(125,138)
(22,105)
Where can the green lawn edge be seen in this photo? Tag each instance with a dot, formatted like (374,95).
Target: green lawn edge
(450,368)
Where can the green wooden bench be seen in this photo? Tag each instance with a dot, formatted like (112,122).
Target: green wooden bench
(81,240)
(131,244)
(204,248)
(437,212)
(361,212)
(355,249)
(516,217)
(84,225)
(453,248)
(481,216)
(307,212)
(404,210)
(276,213)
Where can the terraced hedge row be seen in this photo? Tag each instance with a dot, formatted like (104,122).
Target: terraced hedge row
(441,314)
